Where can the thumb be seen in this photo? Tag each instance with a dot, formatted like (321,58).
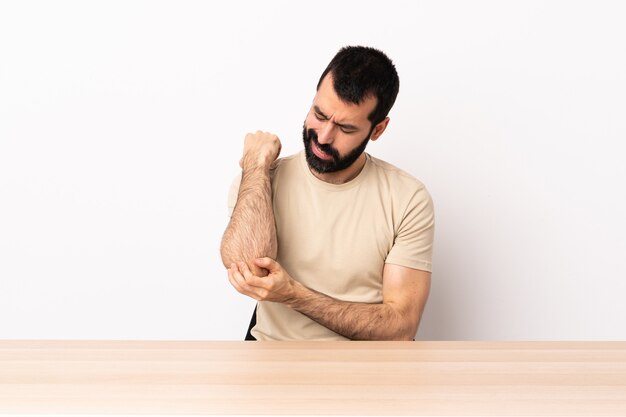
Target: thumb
(267,263)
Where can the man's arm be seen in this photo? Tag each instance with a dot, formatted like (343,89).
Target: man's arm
(251,232)
(405,291)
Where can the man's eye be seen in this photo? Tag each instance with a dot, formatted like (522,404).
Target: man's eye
(319,117)
(348,131)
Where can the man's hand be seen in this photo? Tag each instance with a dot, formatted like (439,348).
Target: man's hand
(278,286)
(260,149)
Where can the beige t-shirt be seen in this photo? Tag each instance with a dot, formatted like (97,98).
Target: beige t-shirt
(336,239)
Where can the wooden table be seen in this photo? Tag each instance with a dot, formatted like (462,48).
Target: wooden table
(313,378)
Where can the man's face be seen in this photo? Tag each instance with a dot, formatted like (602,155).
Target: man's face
(335,133)
(328,160)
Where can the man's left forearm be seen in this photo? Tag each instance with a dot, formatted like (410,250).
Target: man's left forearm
(357,321)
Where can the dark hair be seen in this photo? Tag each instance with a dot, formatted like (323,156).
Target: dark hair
(360,72)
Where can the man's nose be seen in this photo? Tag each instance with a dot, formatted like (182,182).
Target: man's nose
(326,134)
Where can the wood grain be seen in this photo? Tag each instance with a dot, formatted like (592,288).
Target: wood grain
(313,378)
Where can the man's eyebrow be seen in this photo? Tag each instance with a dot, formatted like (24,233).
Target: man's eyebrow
(320,112)
(342,125)
(347,126)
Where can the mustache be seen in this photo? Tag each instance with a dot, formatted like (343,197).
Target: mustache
(311,135)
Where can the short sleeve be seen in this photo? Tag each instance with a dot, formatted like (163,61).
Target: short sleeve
(413,244)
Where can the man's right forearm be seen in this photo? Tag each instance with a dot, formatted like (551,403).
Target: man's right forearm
(251,232)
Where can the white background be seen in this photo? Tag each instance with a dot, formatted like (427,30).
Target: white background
(121,125)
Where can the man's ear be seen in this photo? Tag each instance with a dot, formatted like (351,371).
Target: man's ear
(379,129)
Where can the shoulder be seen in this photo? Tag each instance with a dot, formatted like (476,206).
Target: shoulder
(288,166)
(285,161)
(398,180)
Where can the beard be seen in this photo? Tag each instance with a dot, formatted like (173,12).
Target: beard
(337,162)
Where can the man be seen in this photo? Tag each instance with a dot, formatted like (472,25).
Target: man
(333,243)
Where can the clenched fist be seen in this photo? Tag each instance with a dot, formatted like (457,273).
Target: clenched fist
(260,149)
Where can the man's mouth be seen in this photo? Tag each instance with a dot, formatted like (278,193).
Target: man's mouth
(319,153)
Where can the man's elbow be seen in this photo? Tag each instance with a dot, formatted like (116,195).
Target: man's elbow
(406,334)
(227,262)
(399,335)
(407,330)
(227,255)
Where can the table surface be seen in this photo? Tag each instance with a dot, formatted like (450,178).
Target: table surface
(312,378)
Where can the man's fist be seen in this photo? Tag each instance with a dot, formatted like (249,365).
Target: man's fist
(260,149)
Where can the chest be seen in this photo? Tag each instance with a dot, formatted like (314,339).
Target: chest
(334,241)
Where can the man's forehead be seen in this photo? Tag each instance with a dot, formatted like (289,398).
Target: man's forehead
(328,102)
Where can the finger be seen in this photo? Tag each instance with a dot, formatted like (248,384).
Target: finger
(245,271)
(233,281)
(238,280)
(267,263)
(250,278)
